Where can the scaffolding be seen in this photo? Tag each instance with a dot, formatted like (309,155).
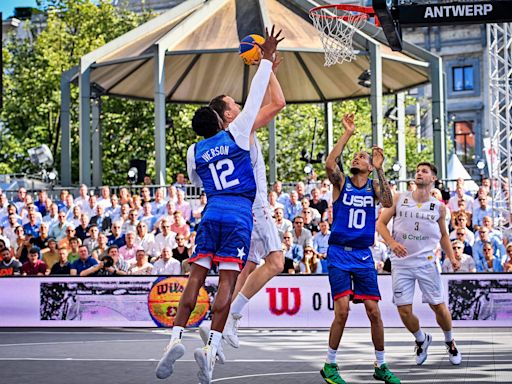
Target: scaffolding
(499,149)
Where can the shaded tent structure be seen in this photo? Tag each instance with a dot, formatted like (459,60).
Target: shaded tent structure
(189,54)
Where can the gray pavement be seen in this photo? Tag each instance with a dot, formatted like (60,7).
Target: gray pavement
(110,356)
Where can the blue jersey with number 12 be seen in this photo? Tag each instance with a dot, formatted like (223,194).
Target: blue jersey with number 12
(225,169)
(354,216)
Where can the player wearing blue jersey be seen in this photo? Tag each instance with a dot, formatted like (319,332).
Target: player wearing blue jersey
(352,273)
(221,163)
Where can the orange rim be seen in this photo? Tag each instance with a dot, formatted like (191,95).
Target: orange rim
(365,12)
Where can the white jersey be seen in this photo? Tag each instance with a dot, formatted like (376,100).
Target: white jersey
(260,176)
(415,226)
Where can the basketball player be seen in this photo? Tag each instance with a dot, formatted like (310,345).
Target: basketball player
(352,273)
(418,227)
(265,240)
(221,163)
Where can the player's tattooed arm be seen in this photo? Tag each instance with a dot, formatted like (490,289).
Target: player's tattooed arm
(334,172)
(383,191)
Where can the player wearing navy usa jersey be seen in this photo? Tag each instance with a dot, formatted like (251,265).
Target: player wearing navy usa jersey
(221,163)
(352,273)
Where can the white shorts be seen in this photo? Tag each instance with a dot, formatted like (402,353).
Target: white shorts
(206,262)
(264,237)
(429,280)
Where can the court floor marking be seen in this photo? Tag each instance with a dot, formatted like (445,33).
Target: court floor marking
(82,342)
(139,360)
(264,375)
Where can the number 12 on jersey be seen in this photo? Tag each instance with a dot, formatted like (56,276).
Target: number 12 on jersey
(220,180)
(356,218)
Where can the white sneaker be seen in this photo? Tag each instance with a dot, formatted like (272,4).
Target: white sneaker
(230,333)
(421,349)
(173,351)
(204,332)
(453,353)
(205,358)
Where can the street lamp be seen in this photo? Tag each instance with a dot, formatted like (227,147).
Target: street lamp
(397,166)
(480,164)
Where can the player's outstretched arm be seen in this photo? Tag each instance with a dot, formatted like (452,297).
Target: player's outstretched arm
(381,187)
(334,173)
(445,243)
(382,227)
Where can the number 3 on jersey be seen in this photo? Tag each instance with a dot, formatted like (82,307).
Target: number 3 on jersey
(227,168)
(356,218)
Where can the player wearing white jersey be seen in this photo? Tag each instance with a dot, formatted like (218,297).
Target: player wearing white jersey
(418,227)
(265,240)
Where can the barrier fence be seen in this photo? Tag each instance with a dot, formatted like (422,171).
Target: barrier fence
(296,301)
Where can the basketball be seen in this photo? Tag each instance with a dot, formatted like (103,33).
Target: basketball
(249,51)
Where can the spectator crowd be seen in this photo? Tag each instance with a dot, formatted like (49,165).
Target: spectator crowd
(153,232)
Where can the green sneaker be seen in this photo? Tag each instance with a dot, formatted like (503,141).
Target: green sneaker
(330,374)
(384,374)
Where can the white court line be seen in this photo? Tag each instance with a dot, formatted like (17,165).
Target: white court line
(264,374)
(80,342)
(139,360)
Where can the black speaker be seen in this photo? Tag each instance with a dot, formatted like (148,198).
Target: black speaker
(141,168)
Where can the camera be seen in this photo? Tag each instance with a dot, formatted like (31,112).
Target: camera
(108,262)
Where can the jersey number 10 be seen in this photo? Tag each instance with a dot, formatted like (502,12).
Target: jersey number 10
(356,218)
(220,179)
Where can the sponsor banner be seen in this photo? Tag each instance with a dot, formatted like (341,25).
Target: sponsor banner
(285,302)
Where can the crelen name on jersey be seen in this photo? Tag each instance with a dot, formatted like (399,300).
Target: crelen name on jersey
(410,236)
(417,215)
(214,152)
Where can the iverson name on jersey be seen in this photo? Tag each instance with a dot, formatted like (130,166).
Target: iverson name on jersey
(214,152)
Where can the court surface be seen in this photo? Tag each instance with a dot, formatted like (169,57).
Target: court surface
(109,356)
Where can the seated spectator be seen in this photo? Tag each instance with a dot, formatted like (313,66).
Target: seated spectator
(438,195)
(282,197)
(292,206)
(273,203)
(41,241)
(58,230)
(158,203)
(496,233)
(144,239)
(164,239)
(128,252)
(507,266)
(22,245)
(183,206)
(51,255)
(310,263)
(34,266)
(460,195)
(52,217)
(169,216)
(283,225)
(309,224)
(191,243)
(90,209)
(317,203)
(180,226)
(40,203)
(478,249)
(83,199)
(181,182)
(491,262)
(85,265)
(314,213)
(293,253)
(136,204)
(65,242)
(102,248)
(301,191)
(125,211)
(462,209)
(114,211)
(92,241)
(130,225)
(62,267)
(145,196)
(116,238)
(82,231)
(181,251)
(32,226)
(74,244)
(483,192)
(460,234)
(481,211)
(321,243)
(147,217)
(166,264)
(9,266)
(68,204)
(301,235)
(466,262)
(124,197)
(119,267)
(141,265)
(461,221)
(103,222)
(9,229)
(197,213)
(172,194)
(73,216)
(30,209)
(104,200)
(411,186)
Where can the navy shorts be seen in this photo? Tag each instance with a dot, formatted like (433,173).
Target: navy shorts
(224,234)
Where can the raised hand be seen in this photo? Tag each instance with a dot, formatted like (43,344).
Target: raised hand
(269,47)
(377,157)
(348,122)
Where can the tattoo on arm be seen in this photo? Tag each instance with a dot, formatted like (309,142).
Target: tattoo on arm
(336,176)
(386,198)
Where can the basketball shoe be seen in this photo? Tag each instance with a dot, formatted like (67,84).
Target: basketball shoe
(230,333)
(174,351)
(331,375)
(421,349)
(453,353)
(205,358)
(383,373)
(204,332)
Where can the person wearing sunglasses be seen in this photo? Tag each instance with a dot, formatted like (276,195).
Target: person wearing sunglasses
(466,262)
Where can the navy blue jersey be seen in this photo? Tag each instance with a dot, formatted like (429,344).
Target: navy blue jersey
(225,169)
(354,216)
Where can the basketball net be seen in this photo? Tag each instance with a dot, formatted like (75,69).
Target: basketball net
(336,28)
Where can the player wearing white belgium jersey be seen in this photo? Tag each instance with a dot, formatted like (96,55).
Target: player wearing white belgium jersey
(418,227)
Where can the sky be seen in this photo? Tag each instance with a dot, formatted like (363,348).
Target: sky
(7,6)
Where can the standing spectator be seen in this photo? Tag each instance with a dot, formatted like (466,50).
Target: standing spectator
(83,199)
(180,226)
(181,182)
(281,196)
(119,267)
(310,263)
(491,261)
(103,222)
(292,206)
(321,243)
(85,265)
(62,267)
(9,266)
(481,211)
(51,256)
(82,231)
(301,235)
(34,266)
(58,231)
(466,262)
(92,241)
(144,239)
(104,200)
(116,238)
(181,252)
(283,225)
(159,203)
(460,194)
(164,239)
(166,264)
(317,203)
(293,253)
(183,206)
(141,265)
(129,251)
(147,217)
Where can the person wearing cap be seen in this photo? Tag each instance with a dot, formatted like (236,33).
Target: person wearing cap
(34,266)
(466,262)
(310,263)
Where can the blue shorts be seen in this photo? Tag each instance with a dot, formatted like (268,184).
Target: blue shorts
(224,233)
(352,273)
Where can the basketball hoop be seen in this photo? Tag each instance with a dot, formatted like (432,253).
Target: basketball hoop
(336,25)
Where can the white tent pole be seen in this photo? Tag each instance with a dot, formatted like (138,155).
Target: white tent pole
(85,125)
(400,105)
(376,95)
(159,99)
